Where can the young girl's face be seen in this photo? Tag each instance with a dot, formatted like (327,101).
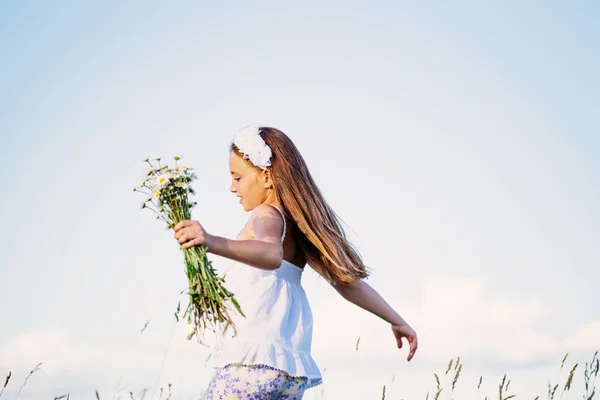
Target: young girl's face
(248,183)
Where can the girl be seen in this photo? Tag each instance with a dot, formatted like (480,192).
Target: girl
(290,226)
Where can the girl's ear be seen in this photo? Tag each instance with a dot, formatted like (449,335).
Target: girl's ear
(267,180)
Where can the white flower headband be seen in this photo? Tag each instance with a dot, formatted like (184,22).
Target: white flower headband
(253,147)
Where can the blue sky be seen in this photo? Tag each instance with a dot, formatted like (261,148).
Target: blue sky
(458,142)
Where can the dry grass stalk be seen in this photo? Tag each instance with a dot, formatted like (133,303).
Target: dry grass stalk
(591,370)
(456,376)
(33,371)
(6,382)
(501,387)
(552,391)
(564,359)
(567,386)
(449,366)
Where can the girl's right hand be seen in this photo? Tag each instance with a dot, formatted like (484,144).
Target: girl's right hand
(404,330)
(191,233)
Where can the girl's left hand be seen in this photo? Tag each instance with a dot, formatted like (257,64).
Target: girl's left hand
(404,330)
(191,233)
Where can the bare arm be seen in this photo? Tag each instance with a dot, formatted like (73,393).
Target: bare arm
(367,298)
(266,252)
(257,253)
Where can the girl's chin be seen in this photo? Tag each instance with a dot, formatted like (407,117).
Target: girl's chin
(247,207)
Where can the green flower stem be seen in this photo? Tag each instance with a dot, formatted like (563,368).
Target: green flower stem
(209,301)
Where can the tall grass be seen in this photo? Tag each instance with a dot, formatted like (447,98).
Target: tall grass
(444,385)
(449,381)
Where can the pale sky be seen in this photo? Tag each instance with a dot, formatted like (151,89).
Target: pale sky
(459,144)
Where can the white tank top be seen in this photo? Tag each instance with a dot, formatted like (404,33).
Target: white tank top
(277,329)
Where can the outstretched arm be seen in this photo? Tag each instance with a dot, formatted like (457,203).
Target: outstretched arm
(368,299)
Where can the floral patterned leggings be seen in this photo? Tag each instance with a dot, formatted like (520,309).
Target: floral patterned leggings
(254,382)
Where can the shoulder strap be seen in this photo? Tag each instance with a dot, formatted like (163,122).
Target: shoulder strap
(283,217)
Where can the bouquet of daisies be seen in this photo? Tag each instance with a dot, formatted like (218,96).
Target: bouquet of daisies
(168,191)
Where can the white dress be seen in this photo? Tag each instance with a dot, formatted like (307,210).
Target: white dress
(277,329)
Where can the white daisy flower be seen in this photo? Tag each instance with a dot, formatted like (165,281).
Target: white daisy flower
(162,179)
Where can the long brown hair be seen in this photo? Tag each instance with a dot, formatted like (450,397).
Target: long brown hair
(317,228)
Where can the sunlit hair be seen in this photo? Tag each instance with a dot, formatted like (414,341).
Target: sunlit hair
(316,228)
